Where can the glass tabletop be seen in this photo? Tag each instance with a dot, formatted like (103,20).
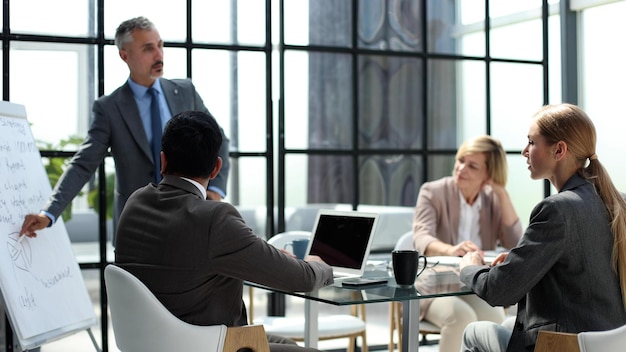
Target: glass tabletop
(435,281)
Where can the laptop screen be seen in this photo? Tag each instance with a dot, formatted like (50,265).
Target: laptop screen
(343,239)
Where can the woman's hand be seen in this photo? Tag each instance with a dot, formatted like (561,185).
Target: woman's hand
(471,258)
(462,248)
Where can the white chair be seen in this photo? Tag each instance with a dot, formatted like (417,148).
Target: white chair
(395,308)
(587,341)
(606,341)
(330,327)
(141,323)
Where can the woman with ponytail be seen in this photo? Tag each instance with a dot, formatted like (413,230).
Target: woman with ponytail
(568,272)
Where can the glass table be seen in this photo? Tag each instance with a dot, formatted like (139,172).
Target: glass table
(435,281)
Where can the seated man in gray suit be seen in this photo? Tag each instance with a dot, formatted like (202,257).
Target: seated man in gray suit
(123,122)
(194,254)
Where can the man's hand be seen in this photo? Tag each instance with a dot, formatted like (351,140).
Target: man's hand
(313,258)
(471,258)
(32,223)
(499,259)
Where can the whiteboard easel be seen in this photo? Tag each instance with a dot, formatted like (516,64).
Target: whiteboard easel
(41,284)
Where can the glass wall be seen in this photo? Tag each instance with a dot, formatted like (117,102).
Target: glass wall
(391,89)
(349,101)
(602,73)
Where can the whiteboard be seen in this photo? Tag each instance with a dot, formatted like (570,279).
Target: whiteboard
(41,283)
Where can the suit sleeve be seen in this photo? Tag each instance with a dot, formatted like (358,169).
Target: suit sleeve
(539,249)
(425,219)
(237,252)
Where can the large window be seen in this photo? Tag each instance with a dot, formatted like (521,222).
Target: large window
(351,101)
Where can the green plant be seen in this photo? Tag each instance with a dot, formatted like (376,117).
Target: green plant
(92,196)
(56,165)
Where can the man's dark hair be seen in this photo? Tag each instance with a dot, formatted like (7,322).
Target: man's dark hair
(191,142)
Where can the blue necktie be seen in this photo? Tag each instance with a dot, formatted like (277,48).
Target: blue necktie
(157,133)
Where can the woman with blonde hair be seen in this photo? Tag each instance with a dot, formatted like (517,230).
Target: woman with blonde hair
(468,211)
(568,272)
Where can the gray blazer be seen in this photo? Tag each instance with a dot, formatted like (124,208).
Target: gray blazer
(117,125)
(561,273)
(194,254)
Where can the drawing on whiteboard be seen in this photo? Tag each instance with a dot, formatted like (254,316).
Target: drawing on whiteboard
(20,252)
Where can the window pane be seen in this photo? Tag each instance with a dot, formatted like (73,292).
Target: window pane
(214,74)
(473,112)
(603,76)
(442,104)
(443,29)
(74,18)
(229,22)
(233,89)
(323,102)
(516,94)
(525,192)
(297,179)
(247,182)
(251,119)
(440,166)
(169,17)
(522,40)
(390,100)
(471,28)
(296,100)
(390,25)
(59,105)
(174,63)
(498,8)
(389,180)
(554,59)
(318,22)
(115,69)
(214,83)
(319,179)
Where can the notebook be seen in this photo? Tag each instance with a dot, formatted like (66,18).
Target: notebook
(343,240)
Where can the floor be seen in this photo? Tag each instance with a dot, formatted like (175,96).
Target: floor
(377,324)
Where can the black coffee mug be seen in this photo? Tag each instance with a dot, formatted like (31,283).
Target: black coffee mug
(405,266)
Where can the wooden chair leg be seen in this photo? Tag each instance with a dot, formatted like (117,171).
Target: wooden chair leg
(364,347)
(351,343)
(251,336)
(398,323)
(392,325)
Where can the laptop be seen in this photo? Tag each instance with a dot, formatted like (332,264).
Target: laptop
(343,240)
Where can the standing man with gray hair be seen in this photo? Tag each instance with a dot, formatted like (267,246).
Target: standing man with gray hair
(130,122)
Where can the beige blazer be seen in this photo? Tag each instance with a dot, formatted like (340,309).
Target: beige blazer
(437,217)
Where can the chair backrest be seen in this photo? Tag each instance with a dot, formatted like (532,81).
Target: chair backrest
(552,341)
(606,341)
(141,323)
(405,242)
